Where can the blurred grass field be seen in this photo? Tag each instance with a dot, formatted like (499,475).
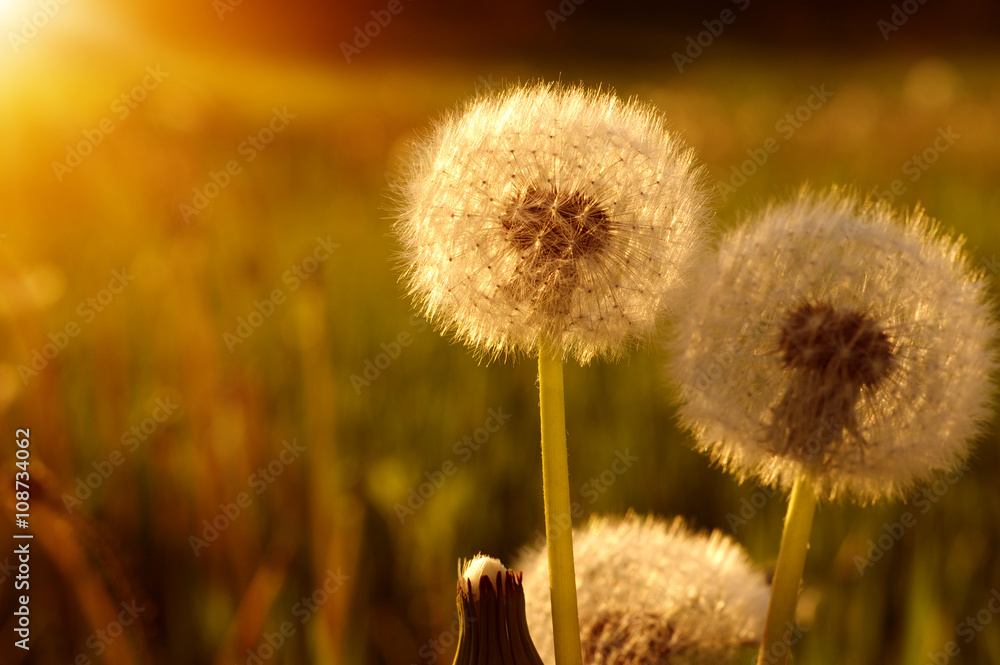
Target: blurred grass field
(332,515)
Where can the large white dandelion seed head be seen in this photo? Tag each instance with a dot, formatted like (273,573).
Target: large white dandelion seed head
(832,336)
(551,211)
(652,592)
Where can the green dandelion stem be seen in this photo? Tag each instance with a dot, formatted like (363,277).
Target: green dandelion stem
(558,522)
(788,572)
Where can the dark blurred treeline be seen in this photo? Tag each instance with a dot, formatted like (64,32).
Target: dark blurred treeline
(535,28)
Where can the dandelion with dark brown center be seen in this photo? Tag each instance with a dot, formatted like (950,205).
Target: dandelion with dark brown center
(832,348)
(829,335)
(554,221)
(552,211)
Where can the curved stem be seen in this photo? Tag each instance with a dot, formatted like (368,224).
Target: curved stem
(558,521)
(779,629)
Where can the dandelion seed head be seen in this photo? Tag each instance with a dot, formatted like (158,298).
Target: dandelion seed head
(652,592)
(832,335)
(550,210)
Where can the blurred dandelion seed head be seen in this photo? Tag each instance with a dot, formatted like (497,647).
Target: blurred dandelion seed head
(828,334)
(651,591)
(550,210)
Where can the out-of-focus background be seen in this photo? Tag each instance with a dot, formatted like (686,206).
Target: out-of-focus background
(244,446)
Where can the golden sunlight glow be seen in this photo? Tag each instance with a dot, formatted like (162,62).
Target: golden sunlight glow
(13,11)
(22,20)
(30,26)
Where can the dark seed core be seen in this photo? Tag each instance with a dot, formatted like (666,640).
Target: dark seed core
(557,226)
(835,354)
(552,233)
(841,344)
